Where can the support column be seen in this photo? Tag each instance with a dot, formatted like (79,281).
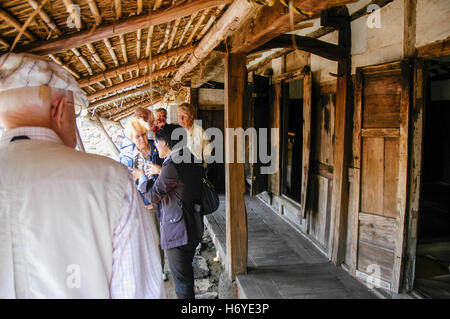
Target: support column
(236,215)
(338,17)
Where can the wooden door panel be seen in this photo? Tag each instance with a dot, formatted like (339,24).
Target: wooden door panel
(380,150)
(372,185)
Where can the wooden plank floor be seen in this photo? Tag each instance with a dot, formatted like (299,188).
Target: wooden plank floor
(281,262)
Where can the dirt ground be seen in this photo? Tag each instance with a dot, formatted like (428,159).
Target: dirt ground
(207,251)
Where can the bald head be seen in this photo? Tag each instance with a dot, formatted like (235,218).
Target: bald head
(40,106)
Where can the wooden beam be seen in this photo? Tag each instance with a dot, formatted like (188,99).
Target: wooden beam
(118,8)
(45,17)
(342,144)
(270,22)
(82,60)
(134,66)
(434,50)
(267,23)
(321,48)
(166,38)
(124,95)
(186,28)
(15,24)
(124,48)
(94,10)
(197,25)
(130,111)
(409,28)
(96,57)
(58,61)
(236,215)
(174,32)
(356,15)
(102,129)
(235,15)
(210,22)
(125,106)
(129,83)
(269,58)
(110,49)
(124,26)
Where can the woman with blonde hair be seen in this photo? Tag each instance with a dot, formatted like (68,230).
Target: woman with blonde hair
(142,157)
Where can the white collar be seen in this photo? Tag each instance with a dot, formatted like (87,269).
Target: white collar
(33,132)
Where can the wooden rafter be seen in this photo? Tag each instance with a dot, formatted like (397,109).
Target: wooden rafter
(118,117)
(321,48)
(124,95)
(124,106)
(118,8)
(45,17)
(210,22)
(235,15)
(111,51)
(127,84)
(123,47)
(95,12)
(80,38)
(186,28)
(15,24)
(96,57)
(174,32)
(58,61)
(134,66)
(166,38)
(197,25)
(270,22)
(83,60)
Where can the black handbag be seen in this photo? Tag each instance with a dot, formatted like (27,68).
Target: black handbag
(209,200)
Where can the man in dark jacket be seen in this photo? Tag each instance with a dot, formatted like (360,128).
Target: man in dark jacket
(178,189)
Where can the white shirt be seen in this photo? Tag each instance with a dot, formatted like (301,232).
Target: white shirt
(198,142)
(136,269)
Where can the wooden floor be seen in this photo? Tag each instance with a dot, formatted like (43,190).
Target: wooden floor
(281,262)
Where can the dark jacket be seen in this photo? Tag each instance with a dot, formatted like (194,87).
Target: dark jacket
(178,189)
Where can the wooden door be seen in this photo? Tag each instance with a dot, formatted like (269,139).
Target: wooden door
(260,111)
(380,150)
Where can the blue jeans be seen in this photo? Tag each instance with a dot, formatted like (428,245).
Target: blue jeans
(180,263)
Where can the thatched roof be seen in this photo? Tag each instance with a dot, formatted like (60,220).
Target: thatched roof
(164,43)
(125,53)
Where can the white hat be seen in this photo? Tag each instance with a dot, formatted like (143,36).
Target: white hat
(20,70)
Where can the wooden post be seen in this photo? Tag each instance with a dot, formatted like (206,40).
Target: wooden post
(105,133)
(409,28)
(79,140)
(236,215)
(342,140)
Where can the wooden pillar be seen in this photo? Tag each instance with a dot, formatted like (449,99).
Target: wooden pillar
(236,215)
(342,143)
(79,140)
(113,146)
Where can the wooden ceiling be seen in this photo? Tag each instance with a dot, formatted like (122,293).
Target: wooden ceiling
(124,53)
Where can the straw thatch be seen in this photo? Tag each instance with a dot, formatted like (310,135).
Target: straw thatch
(96,58)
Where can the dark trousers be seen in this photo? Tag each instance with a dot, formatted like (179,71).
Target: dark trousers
(180,263)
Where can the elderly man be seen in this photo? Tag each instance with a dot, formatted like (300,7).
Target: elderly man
(72,224)
(147,116)
(197,140)
(161,117)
